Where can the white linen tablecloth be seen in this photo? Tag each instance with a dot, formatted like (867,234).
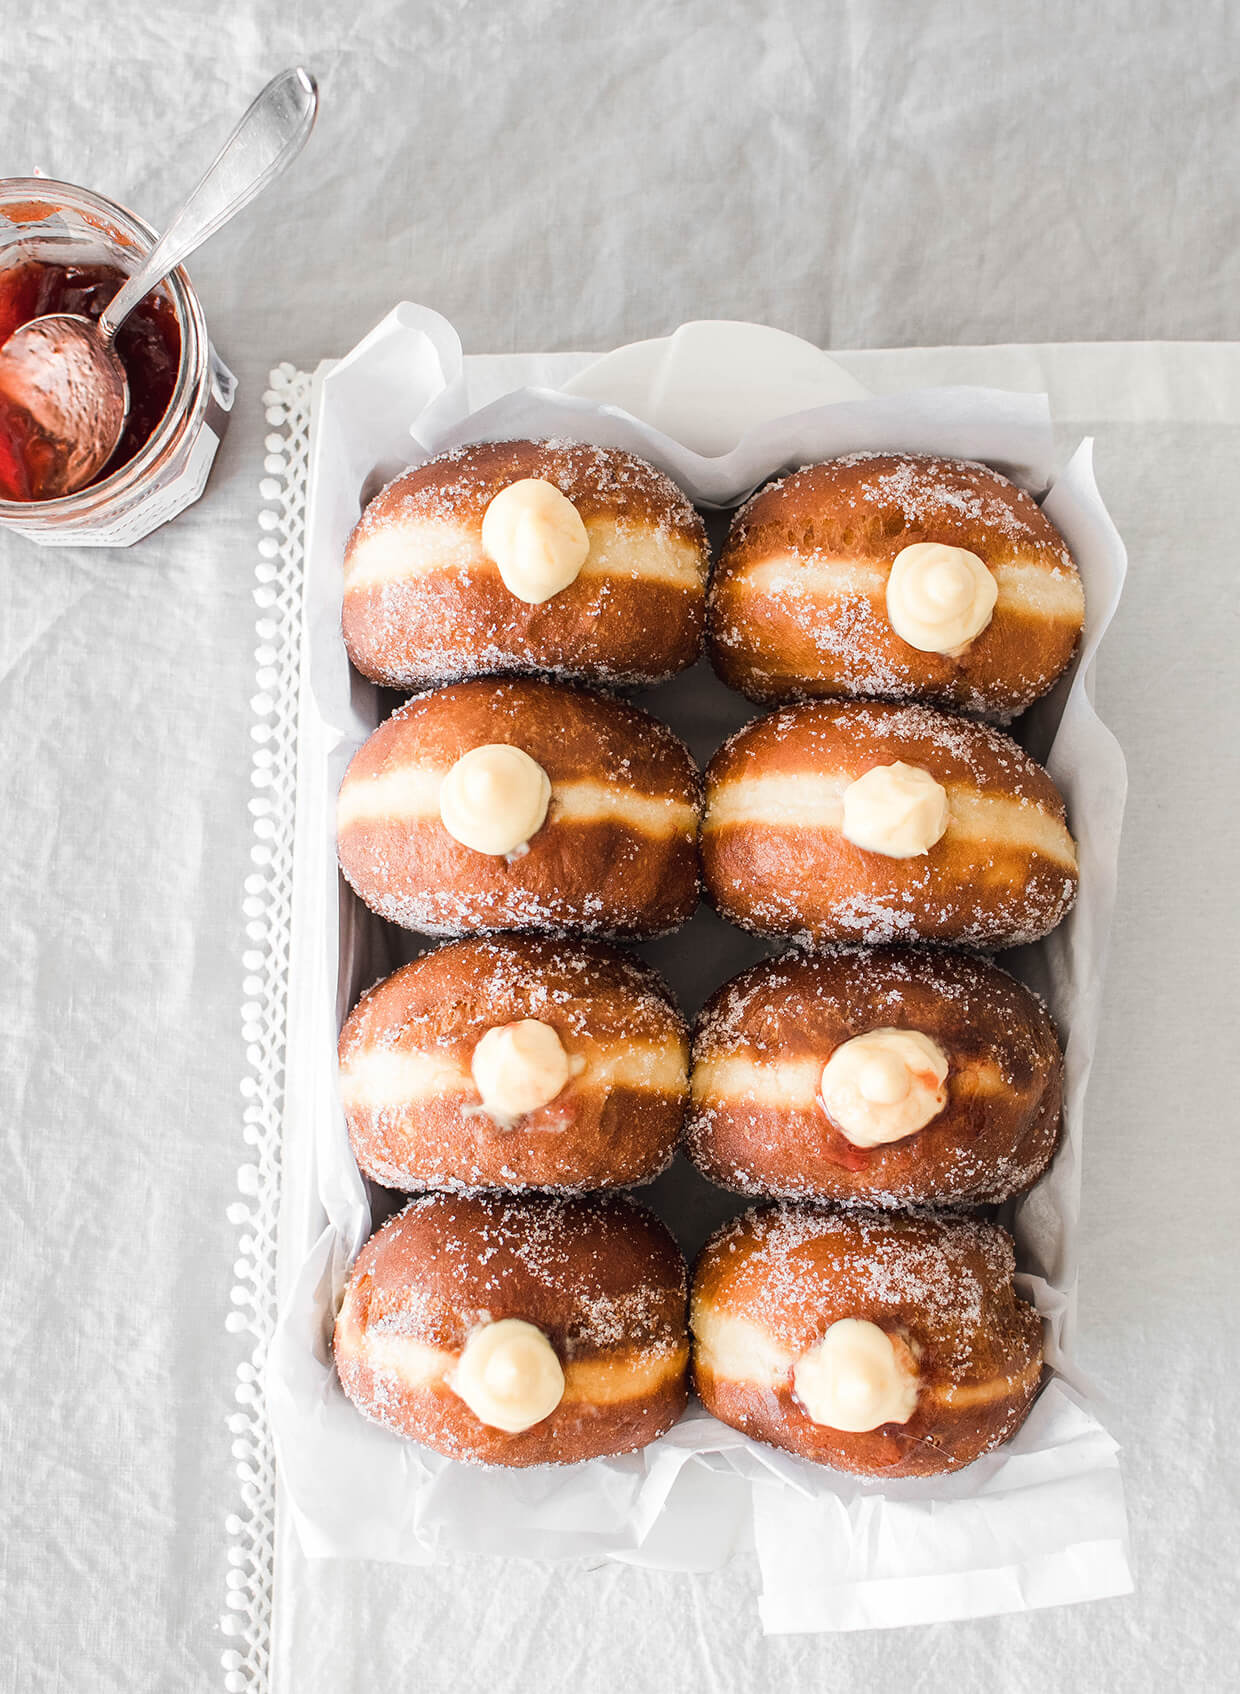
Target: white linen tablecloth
(555,176)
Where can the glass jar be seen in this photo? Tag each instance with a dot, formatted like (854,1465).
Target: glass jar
(57,223)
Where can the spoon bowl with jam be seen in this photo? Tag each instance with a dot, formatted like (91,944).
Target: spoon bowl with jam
(66,396)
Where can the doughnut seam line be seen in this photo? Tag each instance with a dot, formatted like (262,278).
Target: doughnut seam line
(411,793)
(739,1080)
(1025,586)
(813,800)
(435,548)
(614,1378)
(738,1350)
(375,1077)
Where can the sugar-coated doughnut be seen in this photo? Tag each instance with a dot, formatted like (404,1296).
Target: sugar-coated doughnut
(881,1343)
(517,1331)
(865,821)
(889,1076)
(593,567)
(515,1062)
(517,804)
(899,575)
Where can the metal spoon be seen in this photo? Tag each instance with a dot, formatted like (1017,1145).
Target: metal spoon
(62,369)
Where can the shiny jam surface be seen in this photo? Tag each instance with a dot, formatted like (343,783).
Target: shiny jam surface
(839,1149)
(148,345)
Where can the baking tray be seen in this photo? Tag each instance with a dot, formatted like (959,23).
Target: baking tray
(1038,1522)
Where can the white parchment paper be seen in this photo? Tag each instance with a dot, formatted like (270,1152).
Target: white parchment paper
(1038,1523)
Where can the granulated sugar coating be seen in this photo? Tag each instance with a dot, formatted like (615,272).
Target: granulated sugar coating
(414,1112)
(593,1273)
(946,1282)
(771,1285)
(615,856)
(423,601)
(758,1124)
(851,736)
(459,484)
(600,1279)
(798,604)
(777,862)
(469,985)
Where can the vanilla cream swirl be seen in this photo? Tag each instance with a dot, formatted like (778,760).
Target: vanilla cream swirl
(884,1085)
(857,1378)
(518,1067)
(494,799)
(509,1376)
(536,537)
(898,810)
(939,598)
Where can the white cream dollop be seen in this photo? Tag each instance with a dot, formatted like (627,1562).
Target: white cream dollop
(898,810)
(508,1375)
(494,799)
(858,1377)
(884,1085)
(536,537)
(518,1067)
(939,598)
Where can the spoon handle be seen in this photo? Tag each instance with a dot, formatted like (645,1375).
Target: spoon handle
(269,137)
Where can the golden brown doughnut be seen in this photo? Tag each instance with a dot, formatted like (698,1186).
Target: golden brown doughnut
(779,795)
(424,602)
(864,1316)
(594,1351)
(799,604)
(784,1105)
(421,1046)
(615,856)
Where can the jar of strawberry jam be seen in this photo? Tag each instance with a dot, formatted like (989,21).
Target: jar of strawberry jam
(65,249)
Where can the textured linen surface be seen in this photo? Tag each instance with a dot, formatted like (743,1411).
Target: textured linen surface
(554,175)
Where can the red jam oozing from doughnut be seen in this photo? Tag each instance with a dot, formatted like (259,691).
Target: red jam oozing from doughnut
(845,1153)
(838,1148)
(148,345)
(555,1117)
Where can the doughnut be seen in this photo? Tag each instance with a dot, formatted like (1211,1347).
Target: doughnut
(517,1062)
(864,821)
(522,805)
(507,1330)
(886,1076)
(881,1343)
(518,556)
(900,575)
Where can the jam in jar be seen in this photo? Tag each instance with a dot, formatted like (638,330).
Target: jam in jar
(148,345)
(64,248)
